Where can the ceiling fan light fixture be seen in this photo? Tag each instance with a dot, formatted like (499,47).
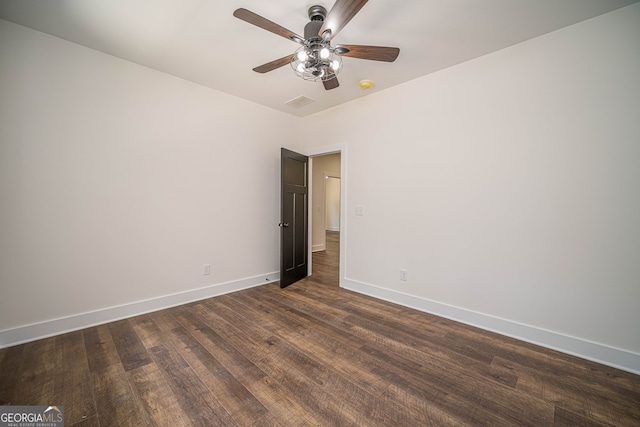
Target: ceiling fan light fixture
(316,61)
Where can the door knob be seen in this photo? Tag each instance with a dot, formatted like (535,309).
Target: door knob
(286,224)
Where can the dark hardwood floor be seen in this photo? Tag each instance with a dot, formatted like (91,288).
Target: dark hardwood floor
(325,264)
(311,354)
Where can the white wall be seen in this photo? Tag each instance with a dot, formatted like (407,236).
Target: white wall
(117,183)
(332,203)
(510,190)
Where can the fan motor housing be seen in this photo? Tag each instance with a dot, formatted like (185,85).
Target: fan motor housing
(317,14)
(312,29)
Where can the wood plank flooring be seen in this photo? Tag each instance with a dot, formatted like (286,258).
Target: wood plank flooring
(312,354)
(326,264)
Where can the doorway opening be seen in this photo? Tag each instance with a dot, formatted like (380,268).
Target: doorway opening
(326,217)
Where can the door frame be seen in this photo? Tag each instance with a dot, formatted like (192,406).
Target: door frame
(322,151)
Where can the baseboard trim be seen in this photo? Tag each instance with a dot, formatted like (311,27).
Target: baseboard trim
(595,352)
(36,331)
(318,248)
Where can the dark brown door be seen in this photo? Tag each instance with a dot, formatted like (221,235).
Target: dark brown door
(293,217)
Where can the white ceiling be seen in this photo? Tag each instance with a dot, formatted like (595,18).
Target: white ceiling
(201,41)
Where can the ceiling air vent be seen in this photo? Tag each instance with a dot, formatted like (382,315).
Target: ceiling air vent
(299,102)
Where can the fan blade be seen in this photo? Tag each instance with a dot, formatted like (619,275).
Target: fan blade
(374,53)
(341,13)
(331,81)
(265,24)
(270,66)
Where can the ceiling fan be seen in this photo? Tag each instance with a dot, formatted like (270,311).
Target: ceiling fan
(316,59)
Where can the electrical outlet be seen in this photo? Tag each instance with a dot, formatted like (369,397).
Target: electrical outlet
(206,269)
(404,275)
(359,210)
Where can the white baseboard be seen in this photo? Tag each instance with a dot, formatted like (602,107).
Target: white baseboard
(317,248)
(35,331)
(332,229)
(606,355)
